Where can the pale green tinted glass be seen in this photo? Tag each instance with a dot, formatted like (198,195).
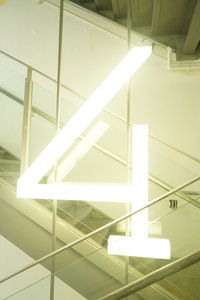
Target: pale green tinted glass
(12,82)
(12,87)
(89,270)
(39,290)
(181,285)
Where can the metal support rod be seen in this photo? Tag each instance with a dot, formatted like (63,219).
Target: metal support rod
(58,107)
(53,247)
(58,99)
(89,235)
(128,108)
(129,134)
(153,277)
(26,121)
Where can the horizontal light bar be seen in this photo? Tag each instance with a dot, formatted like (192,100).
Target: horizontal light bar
(140,247)
(84,192)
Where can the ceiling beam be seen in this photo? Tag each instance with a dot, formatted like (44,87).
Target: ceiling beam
(193,35)
(188,17)
(115,8)
(156,16)
(135,12)
(142,12)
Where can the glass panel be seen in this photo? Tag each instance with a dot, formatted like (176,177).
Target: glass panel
(12,82)
(44,115)
(13,259)
(42,125)
(139,266)
(38,290)
(172,167)
(187,281)
(12,86)
(178,221)
(182,285)
(90,280)
(88,269)
(9,167)
(44,98)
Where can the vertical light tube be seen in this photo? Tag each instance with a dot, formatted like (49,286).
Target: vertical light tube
(140,180)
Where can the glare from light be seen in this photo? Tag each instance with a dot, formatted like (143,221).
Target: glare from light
(139,247)
(85,115)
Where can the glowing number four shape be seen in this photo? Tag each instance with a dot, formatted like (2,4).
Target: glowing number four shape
(28,186)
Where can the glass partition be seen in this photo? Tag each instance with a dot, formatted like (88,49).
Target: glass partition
(40,289)
(12,81)
(88,269)
(11,116)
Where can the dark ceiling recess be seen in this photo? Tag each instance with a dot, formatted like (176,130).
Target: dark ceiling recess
(174,23)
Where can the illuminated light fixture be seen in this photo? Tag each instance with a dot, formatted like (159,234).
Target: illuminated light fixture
(140,179)
(147,247)
(80,150)
(138,244)
(81,192)
(28,186)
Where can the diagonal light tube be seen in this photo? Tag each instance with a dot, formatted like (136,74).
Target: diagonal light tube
(79,151)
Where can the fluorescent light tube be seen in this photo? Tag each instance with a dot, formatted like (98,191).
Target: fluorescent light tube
(139,247)
(78,152)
